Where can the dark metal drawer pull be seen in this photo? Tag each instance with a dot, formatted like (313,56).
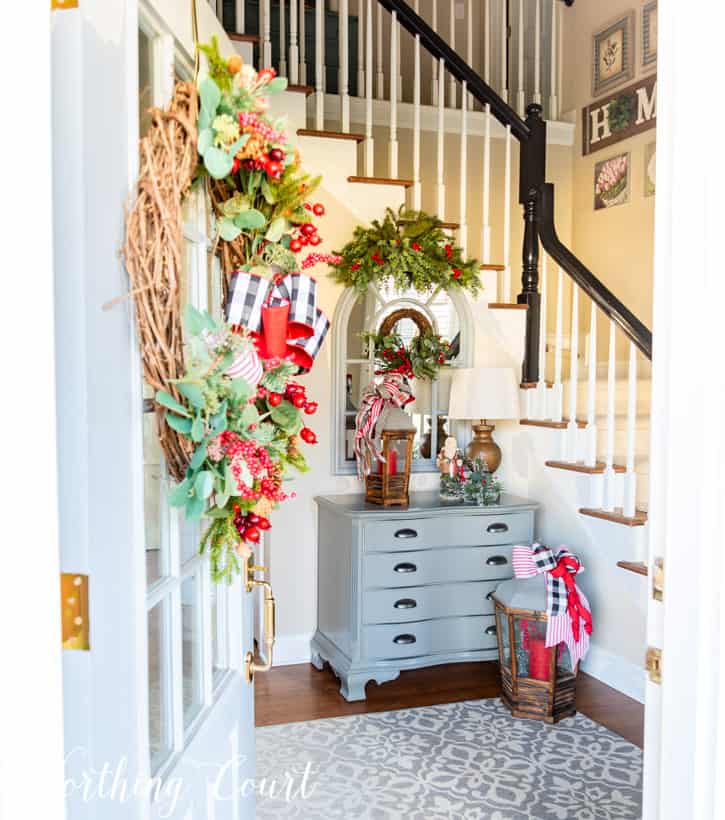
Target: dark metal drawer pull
(406,533)
(496,560)
(405,567)
(490,595)
(404,639)
(405,603)
(498,527)
(491,630)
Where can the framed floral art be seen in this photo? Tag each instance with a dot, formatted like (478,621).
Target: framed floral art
(613,54)
(611,182)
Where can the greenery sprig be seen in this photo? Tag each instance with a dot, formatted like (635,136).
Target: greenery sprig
(409,249)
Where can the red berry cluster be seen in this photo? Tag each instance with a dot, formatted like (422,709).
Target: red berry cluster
(244,452)
(249,525)
(306,233)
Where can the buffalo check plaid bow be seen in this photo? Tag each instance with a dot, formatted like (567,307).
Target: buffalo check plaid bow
(563,596)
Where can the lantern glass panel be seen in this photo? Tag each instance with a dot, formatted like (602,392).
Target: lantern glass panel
(502,626)
(564,666)
(533,657)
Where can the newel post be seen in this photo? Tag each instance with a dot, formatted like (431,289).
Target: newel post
(531,177)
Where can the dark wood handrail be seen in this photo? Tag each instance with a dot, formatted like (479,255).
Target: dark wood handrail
(535,194)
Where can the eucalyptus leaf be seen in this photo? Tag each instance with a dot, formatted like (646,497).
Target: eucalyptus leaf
(240,143)
(228,230)
(179,424)
(220,500)
(218,163)
(250,415)
(276,229)
(268,192)
(199,456)
(197,429)
(192,392)
(179,495)
(277,84)
(205,141)
(230,483)
(252,218)
(195,507)
(205,118)
(196,320)
(204,484)
(210,95)
(167,400)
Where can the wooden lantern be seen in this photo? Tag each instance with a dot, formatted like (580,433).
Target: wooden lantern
(536,681)
(387,482)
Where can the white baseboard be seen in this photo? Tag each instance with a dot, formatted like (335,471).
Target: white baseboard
(620,674)
(290,649)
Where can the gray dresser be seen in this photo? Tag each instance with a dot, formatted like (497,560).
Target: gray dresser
(406,588)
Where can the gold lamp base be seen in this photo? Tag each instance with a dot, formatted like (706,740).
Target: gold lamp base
(483,446)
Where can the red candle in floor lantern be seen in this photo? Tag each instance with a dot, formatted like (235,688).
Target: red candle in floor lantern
(539,658)
(392,462)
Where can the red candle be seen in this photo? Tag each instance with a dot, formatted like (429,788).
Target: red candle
(392,462)
(539,659)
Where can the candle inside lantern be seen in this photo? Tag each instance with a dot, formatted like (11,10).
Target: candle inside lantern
(539,658)
(392,462)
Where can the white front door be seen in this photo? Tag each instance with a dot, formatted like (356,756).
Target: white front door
(158,714)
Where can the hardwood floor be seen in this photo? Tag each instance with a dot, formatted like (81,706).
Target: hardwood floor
(289,694)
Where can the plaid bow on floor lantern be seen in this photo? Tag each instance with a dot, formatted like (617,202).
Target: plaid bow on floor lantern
(281,314)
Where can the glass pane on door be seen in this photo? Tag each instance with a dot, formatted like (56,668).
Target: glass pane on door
(159,649)
(191,648)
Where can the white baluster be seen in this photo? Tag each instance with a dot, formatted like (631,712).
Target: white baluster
(397,67)
(507,218)
(380,75)
(393,148)
(416,119)
(573,428)
(486,238)
(283,38)
(343,34)
(440,186)
(609,475)
(504,52)
(266,33)
(361,48)
(553,99)
(369,143)
(452,88)
(486,41)
(542,392)
(537,53)
(468,22)
(463,187)
(630,480)
(559,55)
(434,61)
(320,65)
(239,21)
(590,458)
(303,49)
(294,51)
(520,94)
(557,391)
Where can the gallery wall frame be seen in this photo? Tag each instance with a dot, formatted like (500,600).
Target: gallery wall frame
(613,49)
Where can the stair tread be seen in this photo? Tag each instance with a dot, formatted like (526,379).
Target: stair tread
(405,183)
(616,516)
(333,135)
(492,266)
(534,385)
(577,467)
(553,425)
(243,38)
(301,89)
(634,566)
(507,306)
(449,226)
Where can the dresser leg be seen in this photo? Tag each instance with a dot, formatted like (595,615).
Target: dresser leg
(352,687)
(317,660)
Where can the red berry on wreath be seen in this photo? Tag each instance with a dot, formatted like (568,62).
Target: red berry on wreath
(308,207)
(295,246)
(252,518)
(274,169)
(261,392)
(274,399)
(318,209)
(263,523)
(308,436)
(277,154)
(304,240)
(310,408)
(308,229)
(315,240)
(457,273)
(252,534)
(298,400)
(416,247)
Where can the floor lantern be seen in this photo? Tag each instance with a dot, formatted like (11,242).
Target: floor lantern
(538,674)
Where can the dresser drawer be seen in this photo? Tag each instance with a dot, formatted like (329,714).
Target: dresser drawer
(409,640)
(442,566)
(448,531)
(395,606)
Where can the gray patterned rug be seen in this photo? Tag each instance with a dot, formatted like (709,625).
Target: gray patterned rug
(457,761)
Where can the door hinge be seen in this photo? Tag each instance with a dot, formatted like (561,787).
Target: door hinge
(74,615)
(658,579)
(653,664)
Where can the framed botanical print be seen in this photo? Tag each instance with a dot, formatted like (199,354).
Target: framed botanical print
(613,54)
(649,34)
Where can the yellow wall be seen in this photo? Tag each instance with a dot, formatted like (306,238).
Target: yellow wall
(616,243)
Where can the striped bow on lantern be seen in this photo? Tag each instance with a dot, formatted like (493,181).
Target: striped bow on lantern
(394,391)
(567,607)
(281,314)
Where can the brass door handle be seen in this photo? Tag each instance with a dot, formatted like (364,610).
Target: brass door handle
(251,665)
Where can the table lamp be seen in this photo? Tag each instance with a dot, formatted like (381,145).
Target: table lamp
(484,393)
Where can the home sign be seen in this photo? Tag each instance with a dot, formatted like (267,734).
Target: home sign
(622,114)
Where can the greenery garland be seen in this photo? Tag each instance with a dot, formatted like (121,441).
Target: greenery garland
(408,248)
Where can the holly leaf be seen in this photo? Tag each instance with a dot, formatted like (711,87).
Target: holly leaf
(286,416)
(251,219)
(218,163)
(228,231)
(167,400)
(181,425)
(193,393)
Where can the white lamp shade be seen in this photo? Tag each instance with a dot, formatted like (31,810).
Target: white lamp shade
(484,393)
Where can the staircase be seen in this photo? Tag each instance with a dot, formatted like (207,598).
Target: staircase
(586,356)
